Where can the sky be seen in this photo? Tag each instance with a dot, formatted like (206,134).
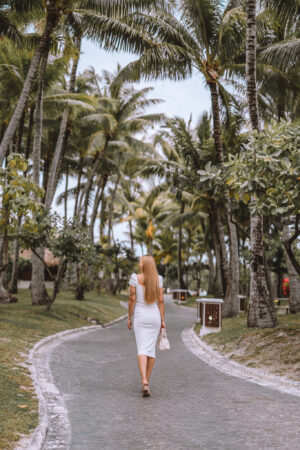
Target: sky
(181,98)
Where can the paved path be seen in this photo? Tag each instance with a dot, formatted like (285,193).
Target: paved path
(193,406)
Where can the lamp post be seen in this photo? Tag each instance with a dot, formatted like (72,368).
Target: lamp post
(209,312)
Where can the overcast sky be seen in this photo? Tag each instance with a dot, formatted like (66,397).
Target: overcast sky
(181,98)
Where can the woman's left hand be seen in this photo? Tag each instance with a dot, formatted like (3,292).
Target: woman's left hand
(129,324)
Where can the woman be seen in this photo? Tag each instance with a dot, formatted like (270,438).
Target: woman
(147,301)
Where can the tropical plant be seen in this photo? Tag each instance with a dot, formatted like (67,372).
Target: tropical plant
(209,39)
(96,20)
(17,206)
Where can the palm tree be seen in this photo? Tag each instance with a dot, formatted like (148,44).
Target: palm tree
(98,20)
(207,39)
(119,117)
(261,313)
(8,27)
(46,103)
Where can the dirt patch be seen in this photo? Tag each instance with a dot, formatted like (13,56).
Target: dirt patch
(278,354)
(274,350)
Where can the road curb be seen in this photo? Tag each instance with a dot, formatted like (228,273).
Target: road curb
(52,408)
(224,364)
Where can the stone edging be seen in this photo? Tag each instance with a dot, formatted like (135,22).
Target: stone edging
(224,364)
(53,414)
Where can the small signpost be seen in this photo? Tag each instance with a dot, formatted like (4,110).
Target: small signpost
(209,312)
(180,295)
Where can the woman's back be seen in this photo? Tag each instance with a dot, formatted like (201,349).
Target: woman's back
(140,290)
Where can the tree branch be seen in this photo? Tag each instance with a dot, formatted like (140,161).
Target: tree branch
(46,267)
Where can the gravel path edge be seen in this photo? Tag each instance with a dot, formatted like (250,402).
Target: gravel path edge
(222,363)
(51,403)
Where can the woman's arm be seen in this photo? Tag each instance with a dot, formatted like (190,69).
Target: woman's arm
(161,307)
(131,303)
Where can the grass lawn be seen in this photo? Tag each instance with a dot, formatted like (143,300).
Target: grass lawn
(191,301)
(21,326)
(276,350)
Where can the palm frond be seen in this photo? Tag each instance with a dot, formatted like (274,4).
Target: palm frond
(203,18)
(155,192)
(283,55)
(232,34)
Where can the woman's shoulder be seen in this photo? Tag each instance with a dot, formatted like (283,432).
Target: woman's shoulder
(133,280)
(160,280)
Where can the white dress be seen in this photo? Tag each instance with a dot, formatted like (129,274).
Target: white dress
(147,319)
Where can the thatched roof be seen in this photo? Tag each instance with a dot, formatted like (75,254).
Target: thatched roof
(50,260)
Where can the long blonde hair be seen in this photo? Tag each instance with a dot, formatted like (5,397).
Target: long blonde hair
(151,282)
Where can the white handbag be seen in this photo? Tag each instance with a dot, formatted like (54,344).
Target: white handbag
(163,342)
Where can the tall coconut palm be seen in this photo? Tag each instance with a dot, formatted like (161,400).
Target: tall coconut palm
(261,313)
(100,20)
(187,151)
(119,117)
(206,38)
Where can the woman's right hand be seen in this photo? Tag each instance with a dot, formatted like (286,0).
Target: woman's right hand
(163,325)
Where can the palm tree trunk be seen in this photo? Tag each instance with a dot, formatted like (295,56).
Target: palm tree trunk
(96,203)
(188,257)
(37,142)
(42,49)
(251,63)
(216,122)
(66,194)
(234,266)
(217,286)
(131,235)
(98,199)
(179,253)
(78,186)
(54,171)
(29,133)
(50,191)
(18,145)
(220,245)
(111,209)
(62,153)
(3,127)
(293,276)
(84,195)
(260,313)
(211,275)
(39,294)
(102,219)
(231,300)
(46,169)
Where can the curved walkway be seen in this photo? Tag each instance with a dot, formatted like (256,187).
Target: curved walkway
(193,405)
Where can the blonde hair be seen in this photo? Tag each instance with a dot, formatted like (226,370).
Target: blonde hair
(151,282)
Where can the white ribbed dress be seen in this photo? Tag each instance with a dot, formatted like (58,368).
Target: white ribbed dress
(147,320)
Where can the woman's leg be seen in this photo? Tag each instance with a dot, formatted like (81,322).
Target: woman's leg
(142,362)
(150,364)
